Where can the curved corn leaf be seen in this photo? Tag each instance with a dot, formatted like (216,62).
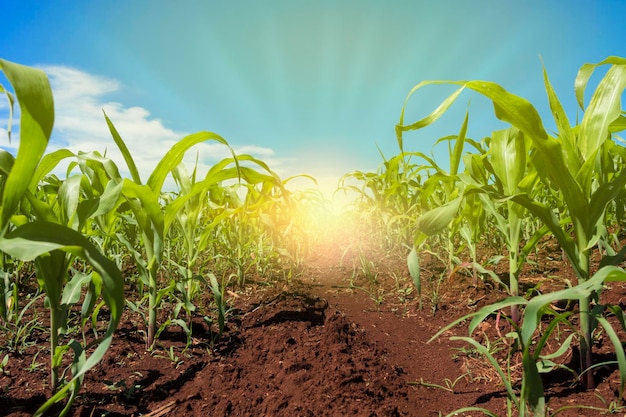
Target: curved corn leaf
(11,100)
(585,72)
(478,316)
(619,351)
(175,155)
(130,162)
(534,309)
(47,164)
(431,118)
(413,263)
(566,134)
(496,366)
(34,240)
(437,219)
(604,108)
(34,95)
(147,210)
(6,162)
(68,196)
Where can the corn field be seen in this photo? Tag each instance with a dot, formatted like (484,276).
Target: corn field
(93,244)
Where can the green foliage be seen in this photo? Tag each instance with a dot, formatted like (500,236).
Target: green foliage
(239,222)
(80,230)
(51,243)
(568,182)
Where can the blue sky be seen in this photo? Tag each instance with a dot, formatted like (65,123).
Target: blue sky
(308,86)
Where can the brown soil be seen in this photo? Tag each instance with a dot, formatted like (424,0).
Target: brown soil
(327,344)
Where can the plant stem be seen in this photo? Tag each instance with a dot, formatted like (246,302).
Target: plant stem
(54,342)
(152,306)
(586,360)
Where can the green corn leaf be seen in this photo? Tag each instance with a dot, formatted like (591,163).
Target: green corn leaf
(219,302)
(437,219)
(512,109)
(431,118)
(91,297)
(130,162)
(200,188)
(480,315)
(619,351)
(549,219)
(508,158)
(604,109)
(11,100)
(532,391)
(42,210)
(175,155)
(562,350)
(68,196)
(465,410)
(109,199)
(51,274)
(78,363)
(47,164)
(566,134)
(496,366)
(34,96)
(600,199)
(73,289)
(6,162)
(585,72)
(413,263)
(459,144)
(618,125)
(34,240)
(535,307)
(148,211)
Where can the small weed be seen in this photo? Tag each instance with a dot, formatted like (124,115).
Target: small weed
(3,365)
(128,392)
(172,356)
(449,384)
(34,365)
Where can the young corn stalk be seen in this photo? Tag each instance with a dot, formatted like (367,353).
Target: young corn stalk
(389,199)
(48,239)
(445,192)
(152,222)
(570,164)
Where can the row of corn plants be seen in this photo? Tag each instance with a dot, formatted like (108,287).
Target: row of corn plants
(76,234)
(522,184)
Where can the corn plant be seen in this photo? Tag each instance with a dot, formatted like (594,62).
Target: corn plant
(205,212)
(51,245)
(535,360)
(508,173)
(388,200)
(570,164)
(443,191)
(143,200)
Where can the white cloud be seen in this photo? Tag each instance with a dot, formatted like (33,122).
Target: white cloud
(80,99)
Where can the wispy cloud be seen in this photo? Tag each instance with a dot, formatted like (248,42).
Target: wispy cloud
(80,99)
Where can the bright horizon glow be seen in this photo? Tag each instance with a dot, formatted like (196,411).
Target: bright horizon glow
(309,88)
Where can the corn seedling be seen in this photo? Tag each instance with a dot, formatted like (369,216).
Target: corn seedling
(448,383)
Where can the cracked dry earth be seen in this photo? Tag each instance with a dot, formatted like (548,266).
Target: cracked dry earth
(327,344)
